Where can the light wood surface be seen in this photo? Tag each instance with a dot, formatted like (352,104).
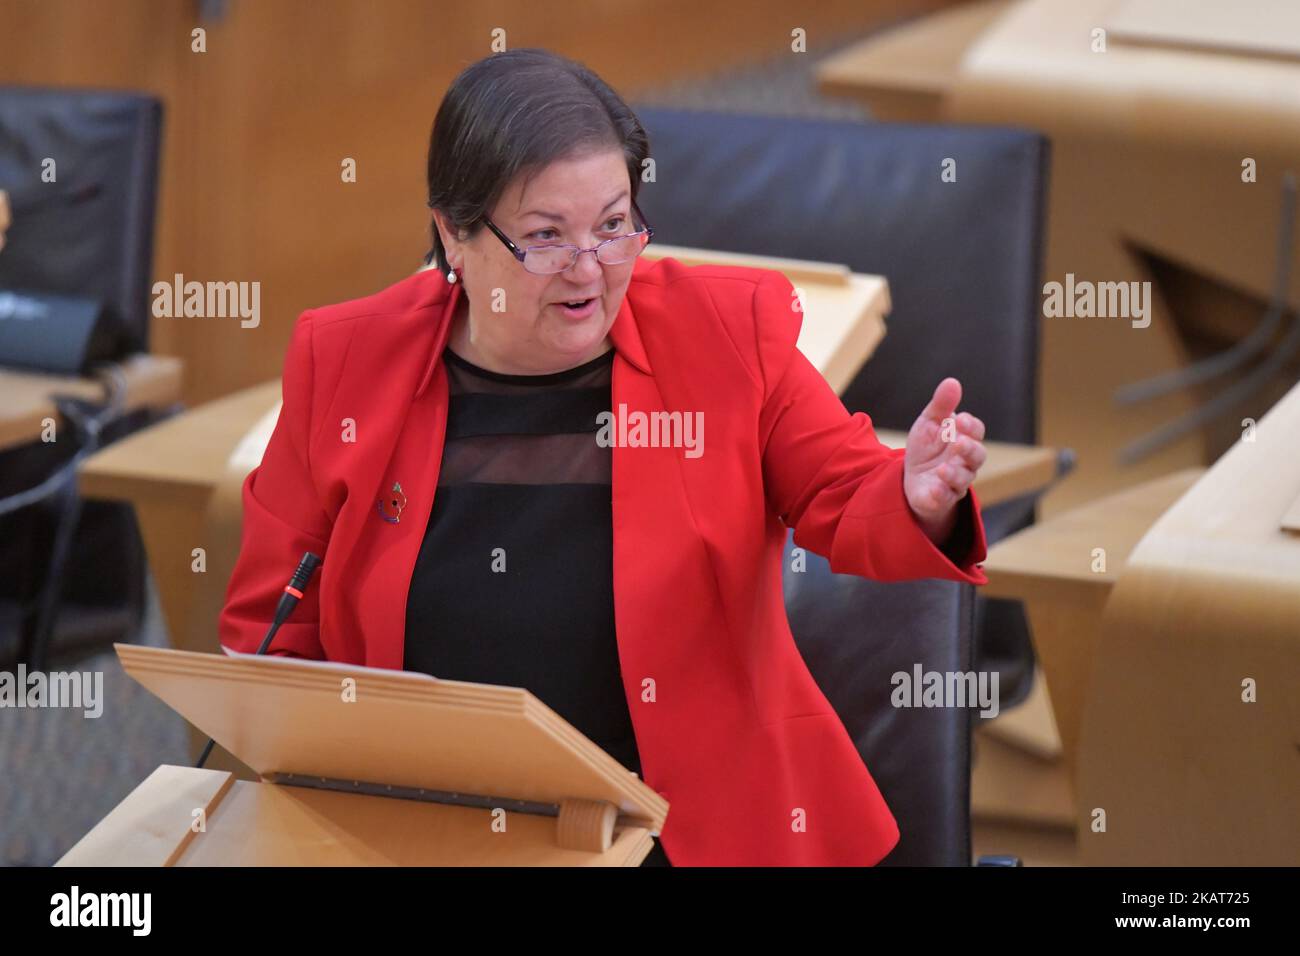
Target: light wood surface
(169,473)
(289,716)
(1145,658)
(1035,846)
(1054,568)
(1011,786)
(152,381)
(844,312)
(1030,726)
(1022,796)
(1148,143)
(1291,520)
(181,456)
(1186,768)
(904,73)
(329,721)
(1057,555)
(155,823)
(1255,27)
(262,824)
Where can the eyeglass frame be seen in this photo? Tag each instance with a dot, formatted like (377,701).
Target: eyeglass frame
(521,254)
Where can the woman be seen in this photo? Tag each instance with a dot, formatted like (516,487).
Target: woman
(463,449)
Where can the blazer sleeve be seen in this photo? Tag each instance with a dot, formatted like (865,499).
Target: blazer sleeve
(829,477)
(282,520)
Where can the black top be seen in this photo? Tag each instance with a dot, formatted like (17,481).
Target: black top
(514,582)
(515,578)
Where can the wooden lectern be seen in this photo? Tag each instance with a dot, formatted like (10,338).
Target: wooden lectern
(365,766)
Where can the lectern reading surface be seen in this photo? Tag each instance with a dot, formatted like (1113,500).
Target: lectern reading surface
(362,765)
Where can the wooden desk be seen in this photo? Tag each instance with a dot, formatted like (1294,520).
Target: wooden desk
(1053,569)
(844,312)
(904,74)
(1025,771)
(152,381)
(1190,768)
(1144,657)
(169,472)
(283,718)
(1148,141)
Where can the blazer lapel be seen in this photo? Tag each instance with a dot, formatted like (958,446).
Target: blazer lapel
(407,453)
(665,586)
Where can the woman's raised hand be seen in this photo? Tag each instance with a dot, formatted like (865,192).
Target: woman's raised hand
(944,451)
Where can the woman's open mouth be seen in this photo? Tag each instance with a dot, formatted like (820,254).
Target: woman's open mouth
(579,308)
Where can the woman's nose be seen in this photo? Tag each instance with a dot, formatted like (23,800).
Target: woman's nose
(585,269)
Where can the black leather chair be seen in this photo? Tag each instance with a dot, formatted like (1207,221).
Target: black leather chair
(855,634)
(71,570)
(91,231)
(963,260)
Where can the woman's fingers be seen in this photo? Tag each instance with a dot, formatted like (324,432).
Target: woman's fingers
(932,446)
(966,451)
(944,401)
(972,453)
(956,476)
(968,424)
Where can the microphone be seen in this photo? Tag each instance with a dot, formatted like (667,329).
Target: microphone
(293,592)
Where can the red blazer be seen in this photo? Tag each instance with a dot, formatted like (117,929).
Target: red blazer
(739,738)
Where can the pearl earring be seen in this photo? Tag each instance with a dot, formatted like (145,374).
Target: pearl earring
(451,276)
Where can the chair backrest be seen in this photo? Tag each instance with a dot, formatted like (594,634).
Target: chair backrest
(963,258)
(855,635)
(952,216)
(89,230)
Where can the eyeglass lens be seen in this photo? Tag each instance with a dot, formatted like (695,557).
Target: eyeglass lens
(544,259)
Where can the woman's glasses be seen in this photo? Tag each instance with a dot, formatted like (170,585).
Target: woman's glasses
(550,259)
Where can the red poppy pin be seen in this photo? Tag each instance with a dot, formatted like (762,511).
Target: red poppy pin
(392,505)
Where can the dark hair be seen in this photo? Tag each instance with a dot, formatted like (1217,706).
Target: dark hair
(516,112)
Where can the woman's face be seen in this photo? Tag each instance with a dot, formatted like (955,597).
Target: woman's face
(516,321)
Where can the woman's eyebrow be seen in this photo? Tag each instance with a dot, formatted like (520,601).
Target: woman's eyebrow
(558,218)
